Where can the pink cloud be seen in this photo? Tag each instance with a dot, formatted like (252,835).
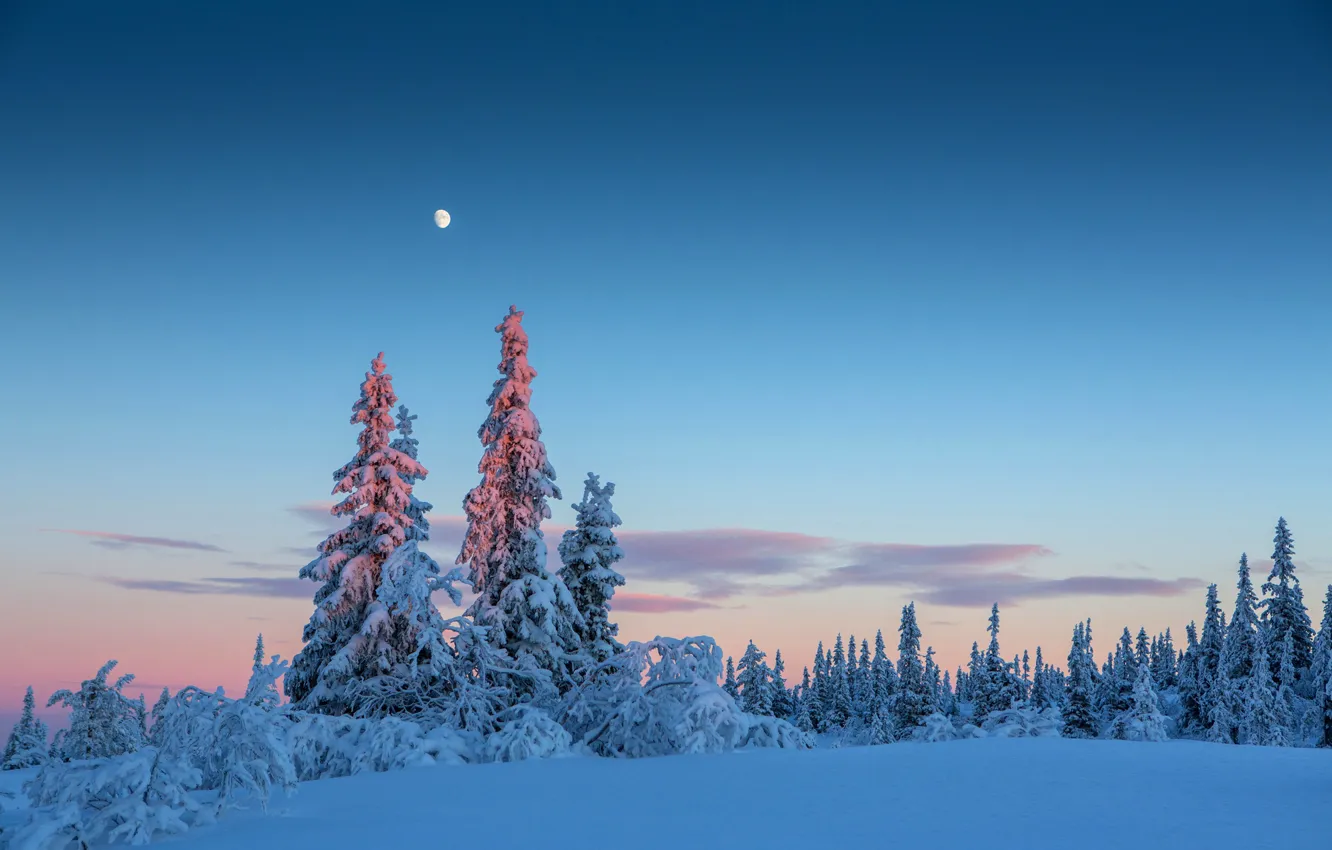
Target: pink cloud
(653,603)
(115,540)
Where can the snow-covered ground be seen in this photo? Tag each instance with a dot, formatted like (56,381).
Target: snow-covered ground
(990,793)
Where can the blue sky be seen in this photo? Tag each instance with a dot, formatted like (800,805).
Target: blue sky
(1035,276)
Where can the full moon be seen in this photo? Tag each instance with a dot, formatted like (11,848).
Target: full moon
(441,218)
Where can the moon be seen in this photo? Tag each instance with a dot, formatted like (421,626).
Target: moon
(442,218)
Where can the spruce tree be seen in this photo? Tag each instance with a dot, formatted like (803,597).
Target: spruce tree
(819,696)
(589,552)
(1192,715)
(1079,722)
(1148,723)
(1264,721)
(1210,647)
(1221,719)
(996,689)
(783,706)
(932,683)
(1040,700)
(864,683)
(1283,609)
(351,637)
(948,702)
(1242,633)
(26,746)
(911,703)
(731,685)
(1320,671)
(527,611)
(840,708)
(259,660)
(753,678)
(157,713)
(802,719)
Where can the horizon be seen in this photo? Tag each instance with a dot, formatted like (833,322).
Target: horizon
(879,306)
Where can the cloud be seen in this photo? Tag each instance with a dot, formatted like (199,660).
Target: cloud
(652,603)
(1010,588)
(266,567)
(223,585)
(113,540)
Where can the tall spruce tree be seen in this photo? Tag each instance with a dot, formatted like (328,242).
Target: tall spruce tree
(912,704)
(1079,721)
(1264,720)
(528,612)
(840,708)
(1242,633)
(351,638)
(783,706)
(1283,609)
(753,677)
(1320,671)
(996,690)
(731,685)
(1210,647)
(1191,712)
(589,552)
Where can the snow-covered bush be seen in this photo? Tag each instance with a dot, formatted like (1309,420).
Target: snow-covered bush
(128,798)
(528,733)
(1023,722)
(661,697)
(103,722)
(324,747)
(934,728)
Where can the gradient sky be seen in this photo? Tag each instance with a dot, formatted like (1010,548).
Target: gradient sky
(982,301)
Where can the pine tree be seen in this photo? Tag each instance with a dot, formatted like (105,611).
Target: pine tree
(753,679)
(840,709)
(1242,633)
(528,612)
(1264,721)
(932,684)
(948,703)
(1320,670)
(351,638)
(1192,715)
(103,722)
(26,746)
(1079,722)
(730,685)
(259,659)
(158,712)
(1283,609)
(1223,723)
(589,552)
(864,683)
(1210,647)
(1125,674)
(1147,721)
(783,706)
(1040,699)
(818,697)
(803,720)
(912,703)
(996,690)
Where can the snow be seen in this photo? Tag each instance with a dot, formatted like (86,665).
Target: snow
(1025,793)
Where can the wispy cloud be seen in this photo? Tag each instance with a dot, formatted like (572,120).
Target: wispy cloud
(114,540)
(653,603)
(262,566)
(222,585)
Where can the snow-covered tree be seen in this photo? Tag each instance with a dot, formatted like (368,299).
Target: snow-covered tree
(155,716)
(863,692)
(102,721)
(932,683)
(1143,721)
(730,684)
(1264,721)
(1222,719)
(1079,721)
(529,612)
(839,711)
(782,705)
(912,702)
(1190,689)
(802,718)
(1210,647)
(1242,632)
(27,745)
(817,696)
(589,552)
(753,678)
(1320,671)
(996,689)
(1283,609)
(364,626)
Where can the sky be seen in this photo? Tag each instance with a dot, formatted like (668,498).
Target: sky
(856,303)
